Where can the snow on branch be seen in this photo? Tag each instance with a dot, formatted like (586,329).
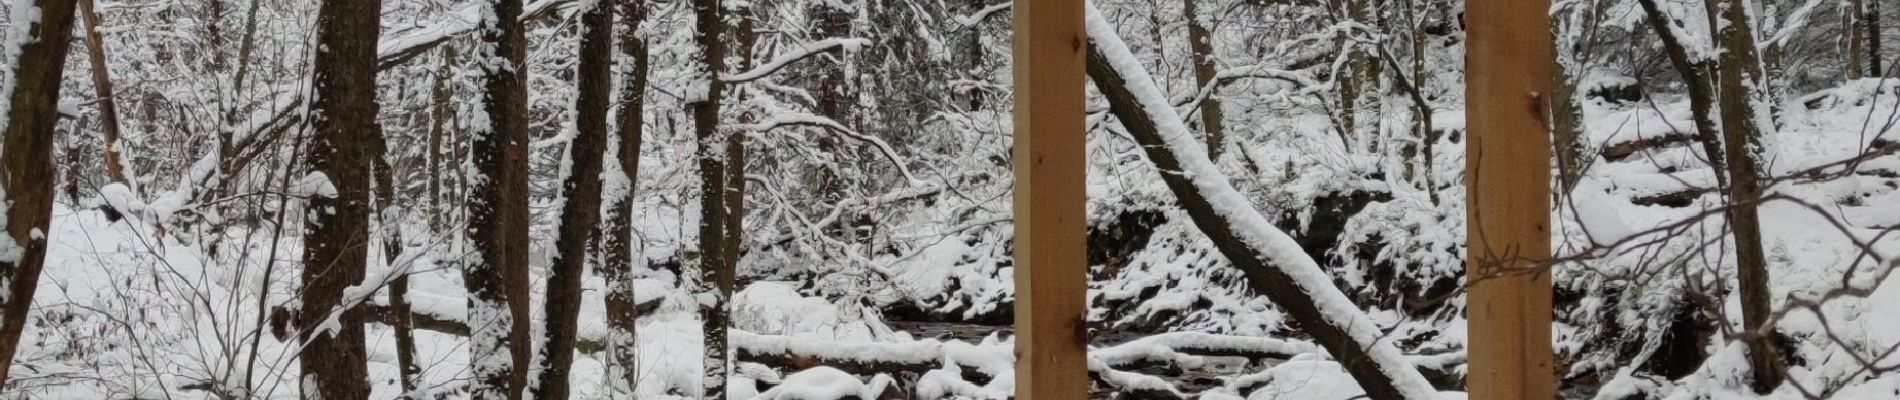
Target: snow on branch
(409,44)
(803,52)
(1273,262)
(790,119)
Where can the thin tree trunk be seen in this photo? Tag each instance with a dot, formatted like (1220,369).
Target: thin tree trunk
(617,266)
(1696,76)
(1273,264)
(443,117)
(344,88)
(403,326)
(1742,92)
(745,40)
(582,211)
(102,87)
(496,274)
(1566,121)
(1872,22)
(715,281)
(1201,42)
(1856,38)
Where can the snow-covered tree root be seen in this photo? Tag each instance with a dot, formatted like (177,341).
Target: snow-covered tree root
(1274,264)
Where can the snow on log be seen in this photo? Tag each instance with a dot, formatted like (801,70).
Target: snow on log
(1273,262)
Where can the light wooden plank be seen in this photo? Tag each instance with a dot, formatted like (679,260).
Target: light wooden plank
(1050,200)
(1507,171)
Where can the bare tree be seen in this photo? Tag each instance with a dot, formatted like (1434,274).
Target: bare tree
(26,163)
(617,265)
(715,273)
(1743,98)
(582,191)
(1201,42)
(496,274)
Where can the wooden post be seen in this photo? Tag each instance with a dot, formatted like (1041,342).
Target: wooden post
(1507,172)
(1050,202)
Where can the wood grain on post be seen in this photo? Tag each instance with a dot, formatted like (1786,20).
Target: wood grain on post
(1507,175)
(1050,200)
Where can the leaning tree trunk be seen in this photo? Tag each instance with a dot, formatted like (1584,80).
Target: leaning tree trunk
(715,276)
(1273,263)
(344,89)
(1201,42)
(102,87)
(26,160)
(616,266)
(1566,119)
(582,211)
(1742,102)
(1695,75)
(496,273)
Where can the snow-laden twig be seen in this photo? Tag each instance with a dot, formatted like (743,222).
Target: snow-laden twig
(803,52)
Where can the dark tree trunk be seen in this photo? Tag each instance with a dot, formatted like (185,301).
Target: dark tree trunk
(402,326)
(344,149)
(1742,88)
(616,266)
(582,212)
(25,166)
(496,274)
(715,280)
(1696,75)
(1201,42)
(102,87)
(442,110)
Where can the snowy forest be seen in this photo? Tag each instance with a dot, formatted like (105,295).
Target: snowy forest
(812,199)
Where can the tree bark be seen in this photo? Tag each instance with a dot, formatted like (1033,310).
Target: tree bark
(442,109)
(1361,360)
(402,326)
(715,278)
(582,211)
(1856,38)
(344,89)
(1695,76)
(102,87)
(496,274)
(1566,120)
(26,164)
(1742,88)
(617,265)
(1201,43)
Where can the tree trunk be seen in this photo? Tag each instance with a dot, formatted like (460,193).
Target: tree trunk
(102,87)
(715,279)
(1856,38)
(27,163)
(344,89)
(1273,265)
(1695,75)
(1566,120)
(1742,98)
(406,367)
(1201,42)
(496,274)
(442,109)
(616,266)
(1872,22)
(582,211)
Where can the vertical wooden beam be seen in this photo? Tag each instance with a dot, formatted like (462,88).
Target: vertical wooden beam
(1050,202)
(1507,176)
